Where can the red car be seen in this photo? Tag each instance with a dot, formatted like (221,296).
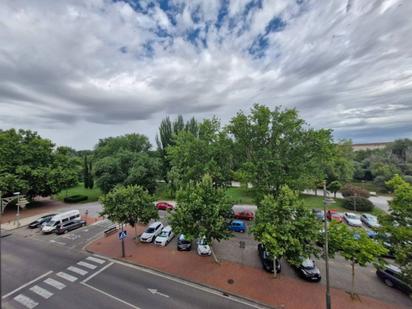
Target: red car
(245,215)
(333,215)
(164,206)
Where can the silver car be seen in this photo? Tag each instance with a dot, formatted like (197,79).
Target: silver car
(370,220)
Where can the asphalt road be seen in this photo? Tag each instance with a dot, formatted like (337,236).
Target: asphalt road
(45,275)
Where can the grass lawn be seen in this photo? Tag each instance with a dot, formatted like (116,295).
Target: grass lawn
(92,194)
(240,195)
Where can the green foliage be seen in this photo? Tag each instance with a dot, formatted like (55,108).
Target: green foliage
(399,224)
(358,203)
(202,211)
(31,165)
(75,198)
(334,186)
(129,164)
(285,227)
(192,156)
(274,148)
(341,166)
(351,190)
(355,246)
(129,204)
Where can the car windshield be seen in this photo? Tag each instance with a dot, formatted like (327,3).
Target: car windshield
(352,216)
(51,223)
(150,230)
(164,234)
(308,264)
(203,242)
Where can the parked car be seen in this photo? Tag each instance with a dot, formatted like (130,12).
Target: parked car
(68,226)
(391,275)
(370,220)
(59,219)
(202,247)
(308,270)
(151,232)
(183,244)
(40,221)
(319,214)
(165,236)
(237,226)
(386,239)
(352,219)
(244,215)
(332,215)
(164,206)
(267,260)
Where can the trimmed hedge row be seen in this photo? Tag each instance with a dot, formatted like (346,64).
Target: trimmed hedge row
(362,204)
(75,198)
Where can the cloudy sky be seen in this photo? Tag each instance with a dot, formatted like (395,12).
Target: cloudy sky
(76,71)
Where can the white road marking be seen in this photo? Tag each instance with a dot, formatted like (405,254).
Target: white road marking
(25,301)
(77,270)
(109,295)
(97,272)
(27,284)
(67,276)
(57,242)
(54,283)
(93,259)
(87,265)
(155,291)
(40,291)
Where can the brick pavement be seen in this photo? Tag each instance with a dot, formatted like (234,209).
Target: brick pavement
(248,282)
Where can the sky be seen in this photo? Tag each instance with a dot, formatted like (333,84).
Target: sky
(77,71)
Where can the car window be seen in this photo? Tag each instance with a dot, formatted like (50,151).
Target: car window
(150,230)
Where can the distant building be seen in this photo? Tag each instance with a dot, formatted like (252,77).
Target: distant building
(371,146)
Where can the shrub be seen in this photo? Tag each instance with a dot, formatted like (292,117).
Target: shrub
(362,204)
(75,198)
(408,178)
(351,190)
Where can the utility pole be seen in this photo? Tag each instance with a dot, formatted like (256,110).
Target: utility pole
(326,248)
(18,208)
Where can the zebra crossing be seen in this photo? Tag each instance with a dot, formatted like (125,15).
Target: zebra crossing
(40,291)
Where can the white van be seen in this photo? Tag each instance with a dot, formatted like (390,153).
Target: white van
(60,219)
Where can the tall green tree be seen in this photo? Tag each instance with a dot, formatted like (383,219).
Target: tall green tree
(285,227)
(399,224)
(275,148)
(341,166)
(129,205)
(202,211)
(355,246)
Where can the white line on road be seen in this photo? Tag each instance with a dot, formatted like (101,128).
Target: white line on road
(67,276)
(87,265)
(93,259)
(155,291)
(97,272)
(109,295)
(25,301)
(77,270)
(27,284)
(40,291)
(54,283)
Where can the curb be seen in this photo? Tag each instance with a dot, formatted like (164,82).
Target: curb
(223,292)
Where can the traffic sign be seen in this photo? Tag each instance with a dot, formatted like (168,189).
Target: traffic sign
(122,235)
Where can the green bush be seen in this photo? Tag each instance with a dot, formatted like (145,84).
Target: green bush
(349,190)
(362,204)
(408,178)
(75,198)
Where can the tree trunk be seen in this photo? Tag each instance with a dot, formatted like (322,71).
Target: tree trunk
(353,280)
(135,231)
(316,191)
(275,273)
(334,194)
(214,255)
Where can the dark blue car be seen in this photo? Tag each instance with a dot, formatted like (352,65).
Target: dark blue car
(237,226)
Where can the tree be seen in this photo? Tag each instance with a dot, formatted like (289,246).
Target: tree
(32,165)
(334,186)
(355,246)
(285,227)
(275,148)
(341,166)
(202,211)
(399,224)
(129,205)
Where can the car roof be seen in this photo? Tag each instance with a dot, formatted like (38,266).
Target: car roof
(167,228)
(154,224)
(238,221)
(393,268)
(350,214)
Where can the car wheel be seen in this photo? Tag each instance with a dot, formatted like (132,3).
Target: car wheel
(389,283)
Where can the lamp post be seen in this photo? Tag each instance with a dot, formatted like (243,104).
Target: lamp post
(326,201)
(18,208)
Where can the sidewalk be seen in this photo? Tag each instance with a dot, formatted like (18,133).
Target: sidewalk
(233,278)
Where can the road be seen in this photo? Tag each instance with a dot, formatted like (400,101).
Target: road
(44,274)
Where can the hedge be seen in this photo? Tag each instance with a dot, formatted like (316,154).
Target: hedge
(362,204)
(349,190)
(75,198)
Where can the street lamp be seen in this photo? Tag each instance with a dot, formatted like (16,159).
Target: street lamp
(18,208)
(326,201)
